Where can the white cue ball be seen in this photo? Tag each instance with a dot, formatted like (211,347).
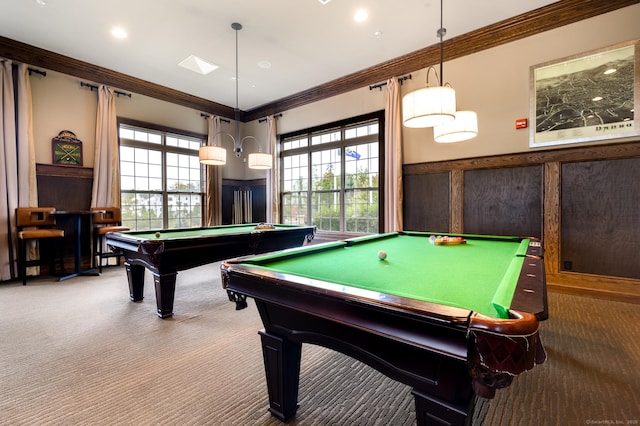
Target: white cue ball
(382,255)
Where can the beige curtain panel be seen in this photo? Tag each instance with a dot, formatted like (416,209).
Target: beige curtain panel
(17,156)
(393,158)
(214,177)
(106,163)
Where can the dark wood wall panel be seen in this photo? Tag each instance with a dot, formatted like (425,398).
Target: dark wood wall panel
(259,198)
(64,187)
(67,188)
(593,239)
(426,202)
(504,201)
(64,193)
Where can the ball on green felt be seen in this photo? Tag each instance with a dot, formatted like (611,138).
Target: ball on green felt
(157,235)
(382,255)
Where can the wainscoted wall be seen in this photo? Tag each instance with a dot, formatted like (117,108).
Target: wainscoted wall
(583,202)
(427,201)
(67,188)
(257,188)
(64,187)
(600,221)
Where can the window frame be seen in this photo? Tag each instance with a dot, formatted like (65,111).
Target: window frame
(340,125)
(164,149)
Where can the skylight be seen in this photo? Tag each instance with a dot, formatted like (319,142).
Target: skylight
(198,65)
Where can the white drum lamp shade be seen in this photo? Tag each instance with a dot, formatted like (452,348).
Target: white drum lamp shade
(212,155)
(260,161)
(428,107)
(464,127)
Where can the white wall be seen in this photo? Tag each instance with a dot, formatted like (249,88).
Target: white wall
(59,103)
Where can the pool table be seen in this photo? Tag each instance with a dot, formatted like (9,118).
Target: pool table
(454,322)
(165,252)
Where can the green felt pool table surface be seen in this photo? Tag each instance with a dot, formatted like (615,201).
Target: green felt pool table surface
(480,275)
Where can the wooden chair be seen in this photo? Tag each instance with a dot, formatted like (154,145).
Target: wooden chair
(37,224)
(106,219)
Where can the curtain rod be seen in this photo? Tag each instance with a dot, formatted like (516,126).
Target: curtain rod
(262,120)
(381,85)
(94,87)
(35,71)
(202,114)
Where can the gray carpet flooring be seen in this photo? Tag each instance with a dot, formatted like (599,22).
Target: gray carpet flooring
(80,353)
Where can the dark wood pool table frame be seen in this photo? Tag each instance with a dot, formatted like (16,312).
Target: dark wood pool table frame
(452,358)
(165,257)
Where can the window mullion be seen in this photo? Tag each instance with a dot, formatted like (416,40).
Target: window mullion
(343,169)
(165,189)
(309,188)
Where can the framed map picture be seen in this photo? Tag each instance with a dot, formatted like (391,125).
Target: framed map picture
(587,97)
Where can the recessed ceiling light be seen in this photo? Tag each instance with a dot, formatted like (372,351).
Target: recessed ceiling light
(360,16)
(118,32)
(198,65)
(378,34)
(265,65)
(323,2)
(41,3)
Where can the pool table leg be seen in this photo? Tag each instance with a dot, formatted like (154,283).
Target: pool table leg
(430,410)
(135,276)
(165,291)
(282,368)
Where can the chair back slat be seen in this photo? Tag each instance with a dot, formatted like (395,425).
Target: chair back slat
(106,215)
(35,216)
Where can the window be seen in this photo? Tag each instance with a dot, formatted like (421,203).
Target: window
(161,179)
(331,175)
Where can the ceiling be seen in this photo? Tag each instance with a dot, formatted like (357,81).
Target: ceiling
(305,42)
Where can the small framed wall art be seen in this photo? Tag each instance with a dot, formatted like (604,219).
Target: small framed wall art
(66,149)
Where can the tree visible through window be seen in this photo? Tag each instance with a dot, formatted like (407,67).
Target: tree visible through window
(161,179)
(331,176)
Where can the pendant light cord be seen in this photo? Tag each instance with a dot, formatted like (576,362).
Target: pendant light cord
(237,27)
(441,32)
(237,106)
